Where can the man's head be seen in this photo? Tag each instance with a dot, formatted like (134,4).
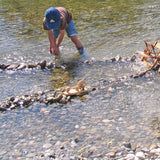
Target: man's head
(53,20)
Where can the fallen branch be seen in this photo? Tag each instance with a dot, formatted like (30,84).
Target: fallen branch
(143,73)
(149,57)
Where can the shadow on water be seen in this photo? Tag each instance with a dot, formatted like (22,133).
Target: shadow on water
(64,75)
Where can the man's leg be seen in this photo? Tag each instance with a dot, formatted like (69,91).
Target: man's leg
(72,33)
(78,44)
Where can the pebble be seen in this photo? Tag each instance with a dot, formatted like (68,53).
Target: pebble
(130,157)
(155,151)
(111,154)
(2,152)
(140,155)
(47,145)
(11,67)
(110,89)
(21,66)
(127,144)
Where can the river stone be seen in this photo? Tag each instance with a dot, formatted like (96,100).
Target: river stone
(113,59)
(110,89)
(32,65)
(140,155)
(12,66)
(111,154)
(47,145)
(14,106)
(130,157)
(50,99)
(17,153)
(43,64)
(133,58)
(3,66)
(146,150)
(51,66)
(155,151)
(63,99)
(3,109)
(3,152)
(12,99)
(6,105)
(153,146)
(21,66)
(118,58)
(27,101)
(127,144)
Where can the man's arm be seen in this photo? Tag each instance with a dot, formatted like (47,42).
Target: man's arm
(53,45)
(52,39)
(60,39)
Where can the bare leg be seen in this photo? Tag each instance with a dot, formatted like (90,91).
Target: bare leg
(78,44)
(76,41)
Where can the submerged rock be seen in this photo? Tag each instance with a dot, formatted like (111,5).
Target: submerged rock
(43,64)
(133,58)
(51,66)
(3,66)
(32,65)
(21,66)
(3,109)
(12,66)
(46,97)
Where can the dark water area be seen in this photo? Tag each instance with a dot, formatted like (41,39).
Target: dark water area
(124,111)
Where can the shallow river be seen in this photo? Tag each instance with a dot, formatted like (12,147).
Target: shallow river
(124,111)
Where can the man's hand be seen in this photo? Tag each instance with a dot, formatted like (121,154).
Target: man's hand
(55,51)
(52,51)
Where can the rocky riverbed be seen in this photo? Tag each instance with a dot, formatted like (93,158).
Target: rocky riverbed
(73,148)
(63,150)
(70,150)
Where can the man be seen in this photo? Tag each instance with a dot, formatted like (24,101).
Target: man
(56,22)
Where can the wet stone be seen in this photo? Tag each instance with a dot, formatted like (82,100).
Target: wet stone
(140,155)
(111,154)
(12,66)
(153,146)
(127,144)
(3,109)
(47,145)
(2,152)
(21,66)
(146,150)
(3,66)
(130,157)
(51,66)
(133,58)
(43,64)
(50,100)
(32,65)
(12,99)
(155,151)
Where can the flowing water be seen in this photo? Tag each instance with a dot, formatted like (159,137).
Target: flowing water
(125,111)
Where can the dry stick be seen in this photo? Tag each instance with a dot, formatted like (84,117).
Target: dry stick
(143,73)
(142,54)
(149,64)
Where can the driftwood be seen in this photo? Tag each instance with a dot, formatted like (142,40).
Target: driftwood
(150,56)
